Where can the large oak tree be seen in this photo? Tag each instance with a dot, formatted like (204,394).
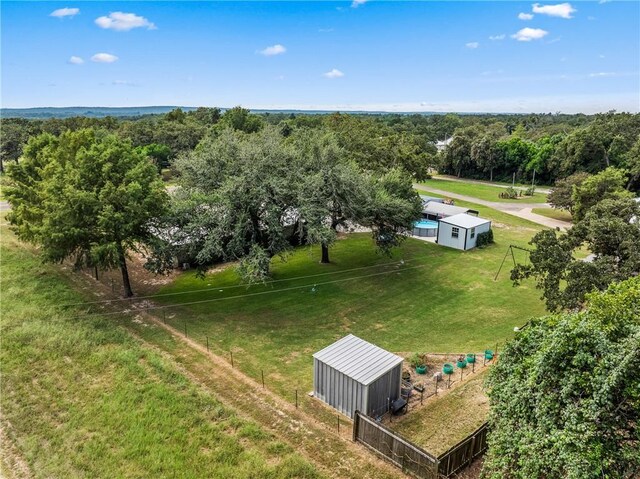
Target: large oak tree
(87,196)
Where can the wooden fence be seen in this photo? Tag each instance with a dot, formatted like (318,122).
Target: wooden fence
(383,441)
(413,459)
(463,453)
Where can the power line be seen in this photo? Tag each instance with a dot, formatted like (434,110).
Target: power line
(224,288)
(258,293)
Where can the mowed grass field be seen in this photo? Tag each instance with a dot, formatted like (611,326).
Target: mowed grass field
(553,213)
(481,191)
(83,398)
(438,300)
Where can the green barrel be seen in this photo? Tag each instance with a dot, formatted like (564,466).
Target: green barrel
(447,368)
(471,358)
(462,363)
(421,369)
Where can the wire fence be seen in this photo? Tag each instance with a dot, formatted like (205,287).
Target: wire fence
(400,451)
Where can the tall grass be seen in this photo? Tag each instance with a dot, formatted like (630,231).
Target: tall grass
(82,398)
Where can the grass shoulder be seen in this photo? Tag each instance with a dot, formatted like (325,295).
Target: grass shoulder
(85,399)
(481,191)
(553,213)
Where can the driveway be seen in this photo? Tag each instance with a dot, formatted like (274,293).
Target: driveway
(521,210)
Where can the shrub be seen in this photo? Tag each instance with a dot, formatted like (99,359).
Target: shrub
(417,360)
(530,191)
(509,193)
(484,239)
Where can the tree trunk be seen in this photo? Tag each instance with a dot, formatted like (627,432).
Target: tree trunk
(95,272)
(125,275)
(491,174)
(325,254)
(1,165)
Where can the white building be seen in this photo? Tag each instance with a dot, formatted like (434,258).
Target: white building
(441,145)
(461,231)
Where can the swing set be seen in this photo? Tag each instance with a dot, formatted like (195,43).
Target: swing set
(510,250)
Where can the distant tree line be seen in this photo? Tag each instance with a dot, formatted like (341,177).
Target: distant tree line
(492,147)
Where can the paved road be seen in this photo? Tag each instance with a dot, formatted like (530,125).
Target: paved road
(522,210)
(545,191)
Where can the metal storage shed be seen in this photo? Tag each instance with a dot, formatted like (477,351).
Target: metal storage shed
(352,374)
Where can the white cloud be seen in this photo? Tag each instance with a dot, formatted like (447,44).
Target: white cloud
(325,30)
(123,22)
(600,56)
(74,60)
(525,16)
(64,12)
(528,34)
(497,37)
(562,10)
(104,58)
(602,74)
(334,73)
(604,1)
(123,83)
(273,50)
(472,45)
(357,3)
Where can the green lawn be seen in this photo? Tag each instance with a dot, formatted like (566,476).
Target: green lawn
(84,399)
(440,300)
(553,213)
(483,192)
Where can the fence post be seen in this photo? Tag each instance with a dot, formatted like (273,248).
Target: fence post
(338,424)
(207,343)
(262,372)
(231,353)
(422,393)
(355,426)
(185,329)
(296,399)
(436,380)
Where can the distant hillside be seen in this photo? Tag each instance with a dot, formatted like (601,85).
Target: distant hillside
(88,111)
(132,111)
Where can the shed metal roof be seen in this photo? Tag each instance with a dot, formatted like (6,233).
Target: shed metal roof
(441,209)
(358,359)
(465,221)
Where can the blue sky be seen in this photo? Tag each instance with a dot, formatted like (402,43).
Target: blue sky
(370,55)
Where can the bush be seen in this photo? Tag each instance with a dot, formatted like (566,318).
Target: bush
(530,191)
(417,360)
(484,239)
(509,193)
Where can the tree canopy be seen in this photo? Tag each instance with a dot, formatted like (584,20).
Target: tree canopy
(87,196)
(609,230)
(565,395)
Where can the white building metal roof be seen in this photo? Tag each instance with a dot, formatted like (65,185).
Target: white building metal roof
(358,359)
(465,221)
(441,209)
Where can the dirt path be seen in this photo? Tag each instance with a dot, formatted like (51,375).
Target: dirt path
(336,455)
(521,210)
